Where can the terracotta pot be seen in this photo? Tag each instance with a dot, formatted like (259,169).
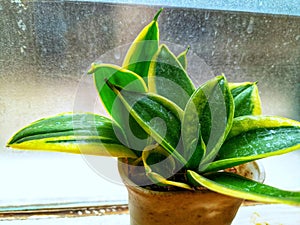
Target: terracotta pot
(203,207)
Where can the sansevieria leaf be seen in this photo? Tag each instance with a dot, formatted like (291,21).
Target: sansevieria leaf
(256,137)
(157,159)
(246,98)
(118,76)
(168,78)
(73,133)
(207,121)
(240,187)
(126,80)
(183,59)
(158,116)
(159,166)
(143,48)
(160,180)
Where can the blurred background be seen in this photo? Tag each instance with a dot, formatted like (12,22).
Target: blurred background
(46,48)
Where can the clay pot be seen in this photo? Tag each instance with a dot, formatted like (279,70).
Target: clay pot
(203,207)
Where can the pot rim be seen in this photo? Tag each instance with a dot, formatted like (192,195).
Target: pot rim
(256,166)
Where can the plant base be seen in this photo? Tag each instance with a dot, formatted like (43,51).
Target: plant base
(202,207)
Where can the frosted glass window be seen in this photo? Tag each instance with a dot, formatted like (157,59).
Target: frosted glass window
(46,48)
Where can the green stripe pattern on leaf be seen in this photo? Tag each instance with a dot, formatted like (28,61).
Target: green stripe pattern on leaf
(142,49)
(123,79)
(118,76)
(158,116)
(246,98)
(207,121)
(73,133)
(256,137)
(168,78)
(240,187)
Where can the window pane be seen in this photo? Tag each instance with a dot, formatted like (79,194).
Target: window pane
(47,47)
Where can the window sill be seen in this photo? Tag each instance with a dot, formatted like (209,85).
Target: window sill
(249,214)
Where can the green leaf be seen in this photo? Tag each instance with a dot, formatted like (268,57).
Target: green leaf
(160,180)
(157,159)
(256,137)
(207,120)
(168,78)
(246,98)
(159,166)
(159,117)
(143,48)
(182,58)
(241,187)
(118,76)
(73,133)
(126,80)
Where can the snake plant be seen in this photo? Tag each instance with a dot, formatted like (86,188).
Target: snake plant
(183,136)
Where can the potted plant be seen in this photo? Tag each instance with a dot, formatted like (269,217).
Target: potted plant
(186,153)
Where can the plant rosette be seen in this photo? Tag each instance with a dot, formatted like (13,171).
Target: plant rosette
(172,135)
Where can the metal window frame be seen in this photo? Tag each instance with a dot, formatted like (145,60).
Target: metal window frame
(277,7)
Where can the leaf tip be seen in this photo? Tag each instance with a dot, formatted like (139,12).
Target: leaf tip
(157,14)
(221,77)
(187,49)
(92,69)
(12,141)
(164,50)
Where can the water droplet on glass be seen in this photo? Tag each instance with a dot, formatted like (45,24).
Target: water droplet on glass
(21,25)
(104,28)
(16,1)
(250,26)
(229,40)
(203,29)
(216,32)
(297,37)
(117,55)
(22,49)
(206,15)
